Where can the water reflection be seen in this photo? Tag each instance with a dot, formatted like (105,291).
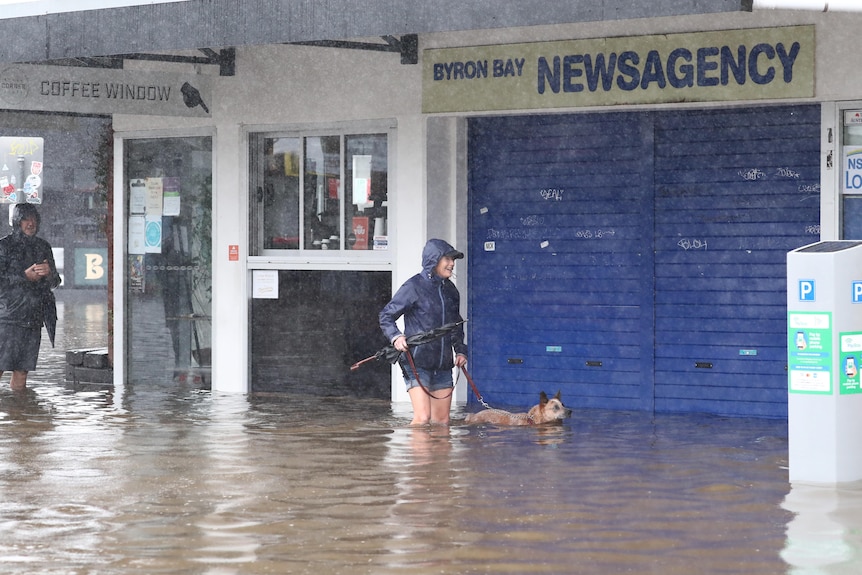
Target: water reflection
(825,535)
(424,463)
(167,478)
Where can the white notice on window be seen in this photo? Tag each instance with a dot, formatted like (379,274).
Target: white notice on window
(137,196)
(361,179)
(171,197)
(264,284)
(137,241)
(154,197)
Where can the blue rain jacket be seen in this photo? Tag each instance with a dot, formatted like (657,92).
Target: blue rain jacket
(427,301)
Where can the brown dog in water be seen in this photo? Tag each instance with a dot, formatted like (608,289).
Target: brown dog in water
(548,411)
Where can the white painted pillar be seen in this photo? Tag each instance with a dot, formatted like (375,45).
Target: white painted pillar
(230,357)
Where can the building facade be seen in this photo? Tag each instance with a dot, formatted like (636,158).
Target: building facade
(626,187)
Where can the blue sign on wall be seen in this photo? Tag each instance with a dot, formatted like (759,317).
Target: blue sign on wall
(806,290)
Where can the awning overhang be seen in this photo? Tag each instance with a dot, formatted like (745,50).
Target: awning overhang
(195,24)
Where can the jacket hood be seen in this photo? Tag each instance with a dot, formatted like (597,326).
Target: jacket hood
(431,254)
(24,211)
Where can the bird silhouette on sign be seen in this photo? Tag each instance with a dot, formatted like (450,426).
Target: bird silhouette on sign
(192,97)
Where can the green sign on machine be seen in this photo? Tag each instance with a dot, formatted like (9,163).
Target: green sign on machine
(809,350)
(851,355)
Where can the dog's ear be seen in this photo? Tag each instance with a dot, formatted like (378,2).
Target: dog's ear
(543,398)
(558,395)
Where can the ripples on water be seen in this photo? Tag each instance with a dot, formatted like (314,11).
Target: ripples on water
(174,480)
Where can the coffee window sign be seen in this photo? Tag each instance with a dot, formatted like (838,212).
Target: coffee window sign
(21,165)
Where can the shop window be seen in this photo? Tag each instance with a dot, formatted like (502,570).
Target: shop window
(313,192)
(851,177)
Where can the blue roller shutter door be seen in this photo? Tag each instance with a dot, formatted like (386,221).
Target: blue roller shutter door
(636,261)
(735,191)
(561,259)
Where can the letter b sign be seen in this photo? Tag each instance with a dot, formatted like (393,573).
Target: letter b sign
(91,266)
(94,269)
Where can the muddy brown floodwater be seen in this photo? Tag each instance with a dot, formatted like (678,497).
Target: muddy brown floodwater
(170,479)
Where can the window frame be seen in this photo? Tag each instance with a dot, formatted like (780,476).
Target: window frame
(304,255)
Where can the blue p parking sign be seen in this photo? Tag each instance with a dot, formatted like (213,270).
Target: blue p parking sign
(856,297)
(806,290)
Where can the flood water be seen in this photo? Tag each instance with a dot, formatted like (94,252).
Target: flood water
(171,479)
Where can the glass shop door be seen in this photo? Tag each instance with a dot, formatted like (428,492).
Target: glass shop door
(168,206)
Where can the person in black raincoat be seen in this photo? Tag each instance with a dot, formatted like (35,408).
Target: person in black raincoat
(427,301)
(27,276)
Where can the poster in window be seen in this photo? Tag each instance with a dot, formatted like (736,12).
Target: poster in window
(137,242)
(137,196)
(360,232)
(170,196)
(154,197)
(291,164)
(153,235)
(137,280)
(361,179)
(21,165)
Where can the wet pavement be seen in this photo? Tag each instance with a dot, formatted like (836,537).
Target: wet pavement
(166,478)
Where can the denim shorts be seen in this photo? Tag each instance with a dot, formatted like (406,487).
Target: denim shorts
(432,380)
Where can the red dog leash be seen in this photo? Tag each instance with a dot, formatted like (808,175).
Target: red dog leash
(429,394)
(416,375)
(475,389)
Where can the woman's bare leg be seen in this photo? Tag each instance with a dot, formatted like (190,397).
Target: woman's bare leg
(421,406)
(19,380)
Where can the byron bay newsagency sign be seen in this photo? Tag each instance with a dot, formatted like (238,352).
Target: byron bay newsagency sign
(728,65)
(101,91)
